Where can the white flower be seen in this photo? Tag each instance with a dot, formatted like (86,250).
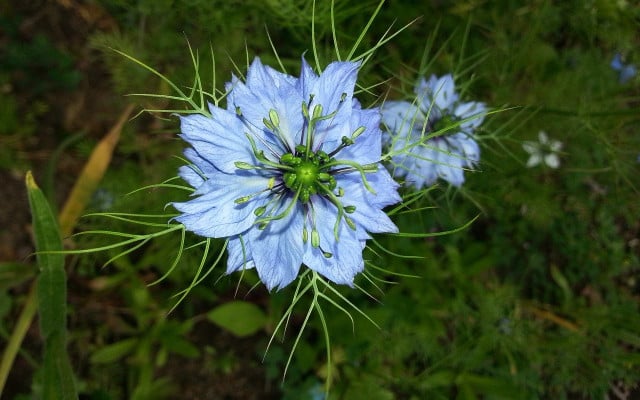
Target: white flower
(544,151)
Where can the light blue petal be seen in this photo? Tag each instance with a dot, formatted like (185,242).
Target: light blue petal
(466,147)
(215,213)
(367,147)
(440,91)
(217,140)
(449,164)
(264,91)
(472,113)
(239,256)
(402,117)
(425,171)
(333,90)
(368,214)
(346,260)
(277,250)
(262,77)
(307,80)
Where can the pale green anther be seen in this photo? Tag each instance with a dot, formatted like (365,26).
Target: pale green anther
(315,238)
(243,165)
(262,226)
(242,199)
(340,192)
(268,124)
(326,254)
(346,141)
(290,159)
(273,116)
(305,235)
(317,111)
(238,112)
(350,222)
(259,211)
(305,110)
(357,132)
(322,156)
(370,167)
(324,177)
(350,209)
(343,97)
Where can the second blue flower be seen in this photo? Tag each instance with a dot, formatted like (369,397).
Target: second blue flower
(433,136)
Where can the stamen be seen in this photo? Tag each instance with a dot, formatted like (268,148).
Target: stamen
(247,166)
(315,238)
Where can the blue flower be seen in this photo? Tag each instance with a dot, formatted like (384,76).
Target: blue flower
(625,72)
(289,173)
(432,137)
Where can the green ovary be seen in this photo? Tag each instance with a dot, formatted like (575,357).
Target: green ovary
(306,174)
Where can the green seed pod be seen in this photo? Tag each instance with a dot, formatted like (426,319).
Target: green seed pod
(287,159)
(289,179)
(322,156)
(305,194)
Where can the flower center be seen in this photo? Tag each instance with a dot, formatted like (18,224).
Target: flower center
(304,174)
(308,174)
(446,122)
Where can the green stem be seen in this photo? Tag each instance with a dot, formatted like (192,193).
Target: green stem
(19,332)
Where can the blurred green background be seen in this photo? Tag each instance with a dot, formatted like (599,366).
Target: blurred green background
(538,299)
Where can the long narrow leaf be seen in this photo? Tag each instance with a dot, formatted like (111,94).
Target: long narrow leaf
(58,381)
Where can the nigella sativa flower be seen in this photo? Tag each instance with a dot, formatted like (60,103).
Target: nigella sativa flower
(289,173)
(544,151)
(625,71)
(433,136)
